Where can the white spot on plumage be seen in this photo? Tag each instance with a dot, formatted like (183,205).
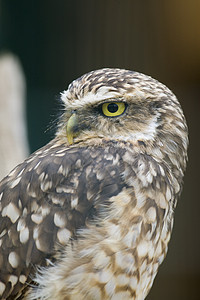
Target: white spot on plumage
(152,170)
(30,191)
(37,165)
(12,173)
(88,171)
(149,177)
(2,288)
(142,248)
(45,210)
(156,238)
(63,171)
(20,204)
(122,280)
(104,276)
(34,206)
(141,199)
(13,259)
(78,163)
(158,185)
(59,154)
(176,185)
(87,251)
(63,189)
(24,213)
(24,235)
(168,194)
(151,250)
(110,287)
(60,151)
(39,245)
(20,173)
(114,231)
(59,221)
(15,182)
(158,251)
(162,171)
(3,233)
(37,218)
(130,238)
(151,215)
(35,232)
(125,261)
(133,282)
(100,174)
(22,278)
(122,295)
(161,258)
(11,211)
(41,177)
(74,202)
(101,260)
(46,185)
(162,201)
(57,200)
(21,224)
(90,195)
(13,279)
(112,173)
(63,236)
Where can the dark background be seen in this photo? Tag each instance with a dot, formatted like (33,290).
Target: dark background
(57,41)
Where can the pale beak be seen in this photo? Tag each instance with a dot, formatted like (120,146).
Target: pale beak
(71,129)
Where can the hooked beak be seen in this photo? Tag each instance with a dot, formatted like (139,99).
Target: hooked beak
(71,129)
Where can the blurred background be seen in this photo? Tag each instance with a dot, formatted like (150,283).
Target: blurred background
(57,41)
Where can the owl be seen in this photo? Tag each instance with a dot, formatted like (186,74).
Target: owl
(89,215)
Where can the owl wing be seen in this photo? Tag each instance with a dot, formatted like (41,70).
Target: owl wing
(46,199)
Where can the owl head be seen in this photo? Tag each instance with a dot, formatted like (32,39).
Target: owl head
(124,106)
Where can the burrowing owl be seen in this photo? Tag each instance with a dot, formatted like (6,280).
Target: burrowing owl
(89,216)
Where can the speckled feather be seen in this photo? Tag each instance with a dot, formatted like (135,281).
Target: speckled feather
(96,216)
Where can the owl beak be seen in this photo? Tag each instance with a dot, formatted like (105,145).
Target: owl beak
(72,126)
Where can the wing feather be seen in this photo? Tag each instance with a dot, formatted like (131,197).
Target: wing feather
(47,198)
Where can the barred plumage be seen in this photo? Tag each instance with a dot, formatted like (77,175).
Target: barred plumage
(94,207)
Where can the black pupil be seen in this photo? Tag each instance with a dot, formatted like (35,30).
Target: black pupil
(112,107)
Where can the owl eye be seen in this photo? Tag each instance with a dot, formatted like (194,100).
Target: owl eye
(113,109)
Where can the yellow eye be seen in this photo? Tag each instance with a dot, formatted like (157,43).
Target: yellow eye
(113,109)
